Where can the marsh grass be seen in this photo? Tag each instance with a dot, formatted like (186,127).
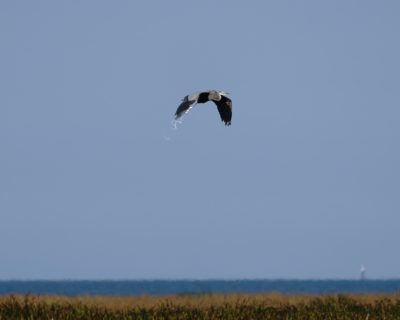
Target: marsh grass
(202,306)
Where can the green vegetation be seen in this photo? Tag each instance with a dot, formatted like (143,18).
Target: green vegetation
(260,306)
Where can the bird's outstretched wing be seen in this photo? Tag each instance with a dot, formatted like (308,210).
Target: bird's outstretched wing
(186,105)
(225,109)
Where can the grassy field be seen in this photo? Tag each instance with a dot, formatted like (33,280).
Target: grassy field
(203,306)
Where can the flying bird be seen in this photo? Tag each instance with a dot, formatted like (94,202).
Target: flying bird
(220,98)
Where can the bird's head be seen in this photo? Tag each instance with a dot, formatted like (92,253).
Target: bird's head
(214,95)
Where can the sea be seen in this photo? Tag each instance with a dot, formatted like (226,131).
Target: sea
(182,287)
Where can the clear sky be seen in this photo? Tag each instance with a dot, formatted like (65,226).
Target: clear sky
(95,183)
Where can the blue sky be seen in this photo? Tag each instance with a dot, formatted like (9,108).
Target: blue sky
(95,183)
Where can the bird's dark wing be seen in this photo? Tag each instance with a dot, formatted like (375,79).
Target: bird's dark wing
(203,97)
(185,106)
(225,109)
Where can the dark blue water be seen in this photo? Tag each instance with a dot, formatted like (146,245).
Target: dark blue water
(164,287)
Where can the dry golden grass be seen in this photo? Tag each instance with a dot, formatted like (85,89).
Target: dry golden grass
(202,306)
(197,300)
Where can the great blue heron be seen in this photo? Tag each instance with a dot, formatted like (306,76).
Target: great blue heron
(220,98)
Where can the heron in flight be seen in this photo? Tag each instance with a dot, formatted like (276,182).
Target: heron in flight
(220,98)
